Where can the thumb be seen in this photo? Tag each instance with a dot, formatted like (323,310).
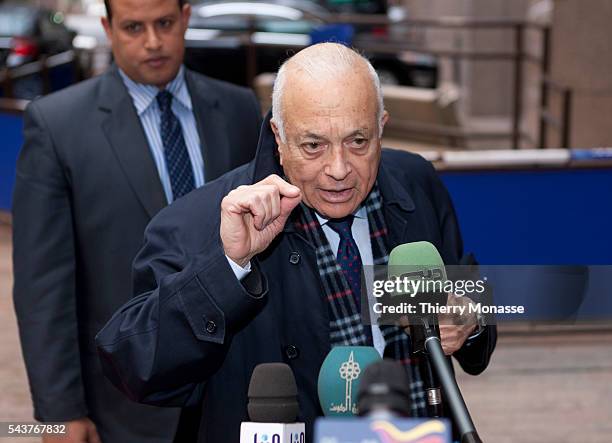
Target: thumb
(93,436)
(285,189)
(287,204)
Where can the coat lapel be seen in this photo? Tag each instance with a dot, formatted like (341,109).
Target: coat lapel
(128,140)
(212,125)
(398,207)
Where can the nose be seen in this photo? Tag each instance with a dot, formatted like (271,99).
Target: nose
(153,42)
(338,166)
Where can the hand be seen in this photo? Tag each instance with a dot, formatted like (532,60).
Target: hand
(456,328)
(252,216)
(82,430)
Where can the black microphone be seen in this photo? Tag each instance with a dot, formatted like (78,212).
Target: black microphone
(273,406)
(384,392)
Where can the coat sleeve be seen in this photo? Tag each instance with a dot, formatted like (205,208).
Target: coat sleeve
(162,346)
(44,273)
(475,354)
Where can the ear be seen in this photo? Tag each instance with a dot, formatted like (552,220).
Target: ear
(279,142)
(186,14)
(384,119)
(107,25)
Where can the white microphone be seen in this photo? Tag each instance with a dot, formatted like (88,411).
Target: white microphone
(272,407)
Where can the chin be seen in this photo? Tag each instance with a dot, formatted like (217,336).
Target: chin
(337,210)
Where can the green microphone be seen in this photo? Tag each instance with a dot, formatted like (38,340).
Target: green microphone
(421,264)
(420,276)
(418,260)
(340,377)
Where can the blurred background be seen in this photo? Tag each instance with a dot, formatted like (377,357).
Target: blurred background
(511,101)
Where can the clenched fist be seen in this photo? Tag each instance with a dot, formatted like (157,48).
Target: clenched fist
(252,216)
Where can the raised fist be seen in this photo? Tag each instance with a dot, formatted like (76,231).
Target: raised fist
(252,216)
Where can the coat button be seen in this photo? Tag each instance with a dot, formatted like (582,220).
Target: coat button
(211,327)
(292,352)
(294,258)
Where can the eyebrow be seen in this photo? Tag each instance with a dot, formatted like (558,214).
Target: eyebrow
(311,135)
(361,131)
(128,20)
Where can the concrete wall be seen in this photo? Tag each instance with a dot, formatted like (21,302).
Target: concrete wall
(582,61)
(486,85)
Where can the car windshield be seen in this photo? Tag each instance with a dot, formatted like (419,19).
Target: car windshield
(16,22)
(267,17)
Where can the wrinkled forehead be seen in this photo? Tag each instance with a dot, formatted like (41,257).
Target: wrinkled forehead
(348,100)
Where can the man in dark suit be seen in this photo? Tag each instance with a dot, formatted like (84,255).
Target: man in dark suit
(267,277)
(100,159)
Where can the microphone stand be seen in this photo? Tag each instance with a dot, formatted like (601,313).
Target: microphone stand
(426,339)
(435,406)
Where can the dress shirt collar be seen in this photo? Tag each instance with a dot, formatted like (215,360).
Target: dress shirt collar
(144,95)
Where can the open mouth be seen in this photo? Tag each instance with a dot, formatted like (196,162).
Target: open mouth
(340,196)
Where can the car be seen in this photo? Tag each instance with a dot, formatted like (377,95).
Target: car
(218,42)
(28,32)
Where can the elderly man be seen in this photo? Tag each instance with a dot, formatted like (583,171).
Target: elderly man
(222,290)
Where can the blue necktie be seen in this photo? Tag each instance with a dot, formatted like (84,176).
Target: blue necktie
(175,150)
(349,259)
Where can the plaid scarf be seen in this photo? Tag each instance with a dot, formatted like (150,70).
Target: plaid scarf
(346,328)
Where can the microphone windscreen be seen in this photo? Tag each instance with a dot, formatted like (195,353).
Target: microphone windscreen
(340,376)
(385,385)
(418,260)
(273,394)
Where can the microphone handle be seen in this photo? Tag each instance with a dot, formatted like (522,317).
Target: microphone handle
(435,406)
(430,380)
(453,396)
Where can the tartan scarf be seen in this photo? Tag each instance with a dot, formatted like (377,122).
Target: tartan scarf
(346,328)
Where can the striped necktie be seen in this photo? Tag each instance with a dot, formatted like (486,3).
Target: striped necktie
(349,259)
(178,162)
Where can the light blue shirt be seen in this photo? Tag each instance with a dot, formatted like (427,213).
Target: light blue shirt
(144,98)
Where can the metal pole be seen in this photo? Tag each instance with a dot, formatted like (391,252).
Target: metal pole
(544,89)
(567,119)
(517,86)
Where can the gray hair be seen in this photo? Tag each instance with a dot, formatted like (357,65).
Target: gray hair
(330,60)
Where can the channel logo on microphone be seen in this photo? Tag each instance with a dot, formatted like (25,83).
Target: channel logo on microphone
(294,437)
(432,431)
(383,431)
(339,378)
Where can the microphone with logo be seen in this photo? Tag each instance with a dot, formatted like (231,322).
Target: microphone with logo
(422,261)
(383,407)
(273,407)
(340,376)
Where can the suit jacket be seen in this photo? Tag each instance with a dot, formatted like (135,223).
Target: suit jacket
(86,187)
(194,331)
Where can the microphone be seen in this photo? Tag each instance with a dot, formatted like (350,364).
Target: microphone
(340,376)
(383,400)
(272,407)
(421,260)
(384,392)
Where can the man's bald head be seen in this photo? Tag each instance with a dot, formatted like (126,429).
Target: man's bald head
(325,65)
